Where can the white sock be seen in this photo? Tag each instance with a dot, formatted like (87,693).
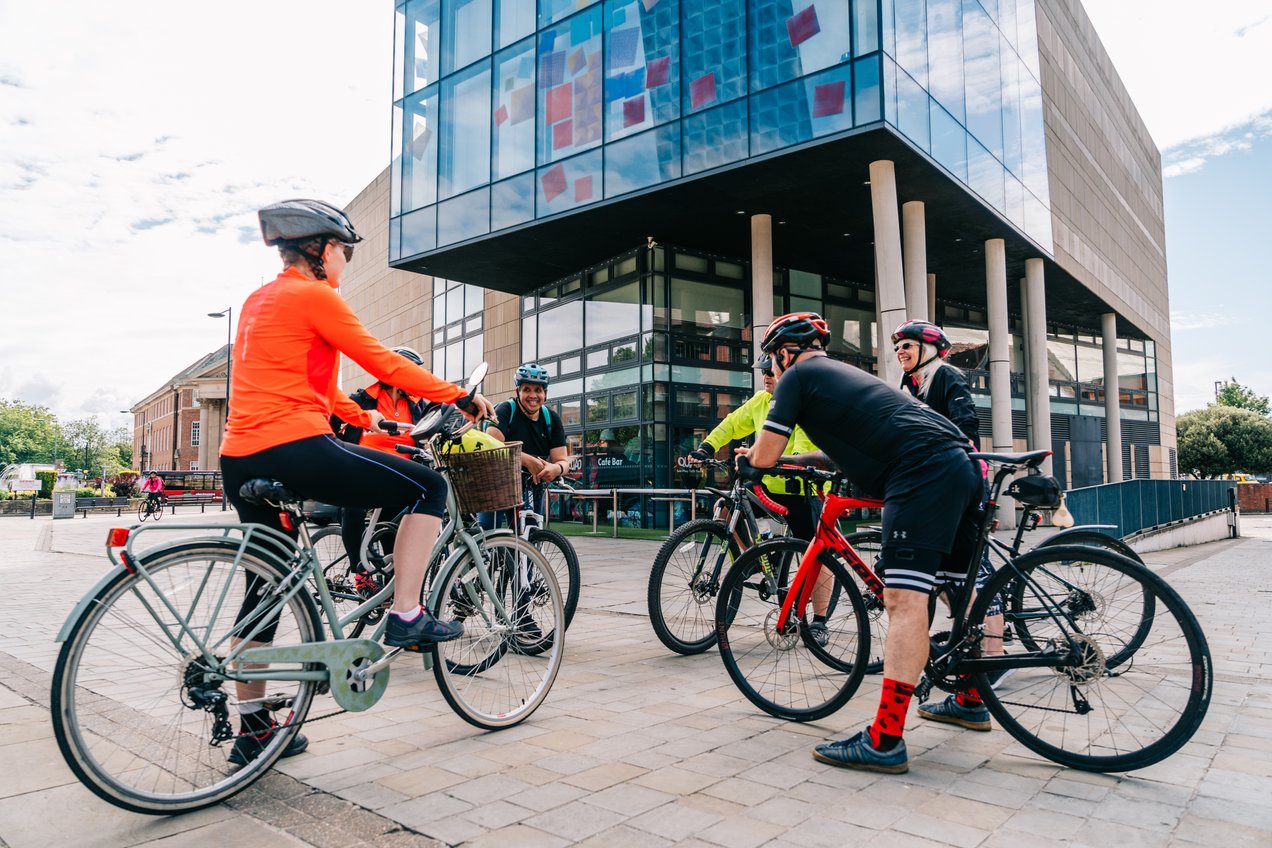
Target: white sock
(409,616)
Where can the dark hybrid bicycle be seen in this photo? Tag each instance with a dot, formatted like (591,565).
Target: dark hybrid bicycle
(1120,685)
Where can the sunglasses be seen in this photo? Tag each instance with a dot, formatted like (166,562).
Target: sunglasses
(905,346)
(348,249)
(767,373)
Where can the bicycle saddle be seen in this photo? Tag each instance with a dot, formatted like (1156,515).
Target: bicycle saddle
(262,491)
(1028,458)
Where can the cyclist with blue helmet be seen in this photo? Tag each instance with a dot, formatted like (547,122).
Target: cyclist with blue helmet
(524,418)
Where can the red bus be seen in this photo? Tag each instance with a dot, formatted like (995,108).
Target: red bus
(190,482)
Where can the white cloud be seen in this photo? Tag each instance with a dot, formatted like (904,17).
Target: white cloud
(1193,70)
(1182,322)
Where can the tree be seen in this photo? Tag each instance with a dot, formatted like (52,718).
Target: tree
(1235,395)
(28,433)
(1222,439)
(89,446)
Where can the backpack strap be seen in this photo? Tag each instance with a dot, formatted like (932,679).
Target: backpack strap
(543,412)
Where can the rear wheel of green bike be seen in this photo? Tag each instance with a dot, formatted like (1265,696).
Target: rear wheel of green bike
(791,674)
(135,704)
(1083,710)
(500,670)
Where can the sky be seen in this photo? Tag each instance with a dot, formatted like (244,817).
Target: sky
(137,140)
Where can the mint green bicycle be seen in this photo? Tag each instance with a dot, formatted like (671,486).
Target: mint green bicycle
(158,656)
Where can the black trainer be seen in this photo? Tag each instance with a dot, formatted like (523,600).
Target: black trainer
(248,746)
(424,630)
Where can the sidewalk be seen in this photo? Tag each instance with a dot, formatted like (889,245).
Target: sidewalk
(636,746)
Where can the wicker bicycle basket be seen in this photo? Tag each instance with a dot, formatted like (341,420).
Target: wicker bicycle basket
(486,480)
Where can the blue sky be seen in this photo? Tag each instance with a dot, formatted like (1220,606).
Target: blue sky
(137,140)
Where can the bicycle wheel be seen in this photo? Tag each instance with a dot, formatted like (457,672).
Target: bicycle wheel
(134,703)
(142,512)
(329,545)
(789,674)
(1081,593)
(490,676)
(684,582)
(1092,714)
(158,513)
(560,554)
(869,546)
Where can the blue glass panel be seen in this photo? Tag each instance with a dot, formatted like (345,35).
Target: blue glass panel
(1033,142)
(642,65)
(888,27)
(642,161)
(910,19)
(464,217)
(1027,36)
(421,43)
(468,25)
(945,56)
(1011,67)
(565,185)
(1006,19)
(949,142)
(395,166)
(1015,201)
(714,57)
(512,202)
(912,110)
(890,91)
(514,20)
(791,38)
(715,137)
(419,154)
(570,86)
(399,53)
(464,157)
(983,77)
(551,11)
(419,231)
(866,91)
(1038,221)
(808,108)
(514,99)
(985,175)
(865,27)
(395,239)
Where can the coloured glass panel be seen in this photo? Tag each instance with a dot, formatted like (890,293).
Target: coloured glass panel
(714,36)
(642,65)
(570,82)
(512,111)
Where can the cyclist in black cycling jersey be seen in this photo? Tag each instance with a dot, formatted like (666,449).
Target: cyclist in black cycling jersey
(889,444)
(525,418)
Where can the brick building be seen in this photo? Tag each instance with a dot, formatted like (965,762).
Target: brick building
(178,426)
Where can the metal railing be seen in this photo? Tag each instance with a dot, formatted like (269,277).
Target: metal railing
(1135,505)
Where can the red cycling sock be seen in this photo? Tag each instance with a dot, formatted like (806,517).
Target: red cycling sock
(889,723)
(967,696)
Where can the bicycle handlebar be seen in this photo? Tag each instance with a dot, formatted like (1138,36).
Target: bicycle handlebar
(769,504)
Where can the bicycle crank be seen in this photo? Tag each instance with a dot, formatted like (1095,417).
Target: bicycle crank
(357,677)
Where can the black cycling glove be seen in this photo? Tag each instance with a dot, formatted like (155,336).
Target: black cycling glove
(701,453)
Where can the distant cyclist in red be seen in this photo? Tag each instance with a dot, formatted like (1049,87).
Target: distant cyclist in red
(286,362)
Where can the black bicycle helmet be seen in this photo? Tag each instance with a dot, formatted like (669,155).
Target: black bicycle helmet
(295,220)
(923,332)
(798,328)
(410,353)
(531,374)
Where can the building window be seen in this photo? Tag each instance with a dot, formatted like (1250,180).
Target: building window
(194,466)
(457,328)
(194,434)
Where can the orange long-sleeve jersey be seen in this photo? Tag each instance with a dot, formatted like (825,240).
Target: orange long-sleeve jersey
(286,362)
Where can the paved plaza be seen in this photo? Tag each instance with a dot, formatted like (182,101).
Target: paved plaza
(636,746)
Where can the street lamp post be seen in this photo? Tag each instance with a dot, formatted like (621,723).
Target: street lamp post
(228,315)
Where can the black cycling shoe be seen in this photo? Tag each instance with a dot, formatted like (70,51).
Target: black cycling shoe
(248,746)
(424,630)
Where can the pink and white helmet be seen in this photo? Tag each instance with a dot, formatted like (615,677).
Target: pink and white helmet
(924,332)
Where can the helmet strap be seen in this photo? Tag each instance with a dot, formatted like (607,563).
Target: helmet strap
(923,363)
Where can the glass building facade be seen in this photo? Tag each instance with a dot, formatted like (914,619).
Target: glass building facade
(510,111)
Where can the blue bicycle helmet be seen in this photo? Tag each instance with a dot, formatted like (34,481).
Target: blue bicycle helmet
(533,374)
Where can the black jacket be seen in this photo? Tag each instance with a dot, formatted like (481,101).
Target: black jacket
(950,395)
(363,398)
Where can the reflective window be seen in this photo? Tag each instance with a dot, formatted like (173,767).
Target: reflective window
(814,106)
(512,202)
(1062,360)
(910,21)
(614,314)
(568,184)
(867,98)
(945,54)
(912,110)
(865,27)
(791,38)
(419,155)
(464,156)
(463,217)
(561,328)
(421,43)
(1011,67)
(985,175)
(714,58)
(468,24)
(419,231)
(514,19)
(983,78)
(949,142)
(513,111)
(642,65)
(706,309)
(852,331)
(395,166)
(570,84)
(642,161)
(551,11)
(715,137)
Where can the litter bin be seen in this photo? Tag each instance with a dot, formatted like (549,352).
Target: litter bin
(63,504)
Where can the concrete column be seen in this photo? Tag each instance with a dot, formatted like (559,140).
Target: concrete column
(914,225)
(1112,402)
(931,297)
(1037,368)
(999,361)
(205,435)
(889,278)
(761,281)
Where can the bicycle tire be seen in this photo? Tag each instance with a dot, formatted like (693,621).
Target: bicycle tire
(680,596)
(158,513)
(121,717)
(560,554)
(789,675)
(869,546)
(333,559)
(486,675)
(1129,716)
(1079,594)
(142,512)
